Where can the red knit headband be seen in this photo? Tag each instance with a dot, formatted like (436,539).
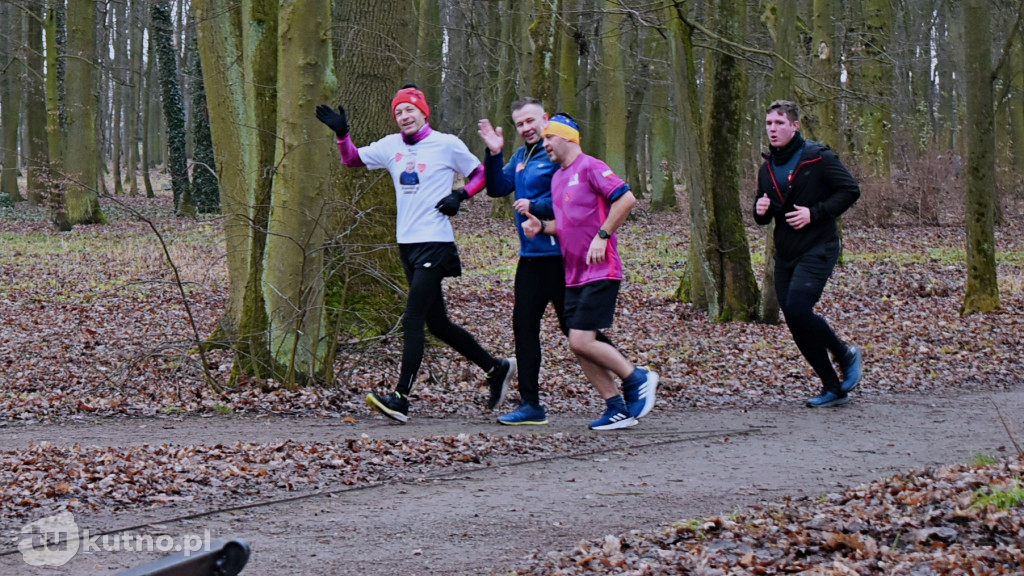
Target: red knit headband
(411,96)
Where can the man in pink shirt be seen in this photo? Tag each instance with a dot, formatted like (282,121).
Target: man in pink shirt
(590,203)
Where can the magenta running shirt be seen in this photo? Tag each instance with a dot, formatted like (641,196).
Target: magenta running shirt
(582,194)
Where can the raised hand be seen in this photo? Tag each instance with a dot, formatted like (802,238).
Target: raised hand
(493,138)
(337,121)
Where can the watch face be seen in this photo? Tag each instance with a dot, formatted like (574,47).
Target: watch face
(604,235)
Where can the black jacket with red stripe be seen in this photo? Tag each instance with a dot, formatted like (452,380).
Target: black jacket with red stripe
(820,182)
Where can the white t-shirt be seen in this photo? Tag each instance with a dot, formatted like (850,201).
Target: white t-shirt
(423,173)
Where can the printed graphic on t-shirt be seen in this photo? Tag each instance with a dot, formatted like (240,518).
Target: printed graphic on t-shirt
(410,177)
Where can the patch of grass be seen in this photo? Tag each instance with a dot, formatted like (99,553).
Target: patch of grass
(222,409)
(1000,499)
(695,525)
(980,459)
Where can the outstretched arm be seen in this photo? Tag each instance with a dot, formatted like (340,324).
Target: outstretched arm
(338,121)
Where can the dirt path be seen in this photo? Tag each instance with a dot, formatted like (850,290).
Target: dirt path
(675,465)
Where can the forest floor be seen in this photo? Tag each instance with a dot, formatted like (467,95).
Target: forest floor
(104,413)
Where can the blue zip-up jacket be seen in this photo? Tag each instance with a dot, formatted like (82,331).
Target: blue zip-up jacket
(528,174)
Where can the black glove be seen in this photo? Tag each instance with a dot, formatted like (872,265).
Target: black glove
(449,205)
(337,121)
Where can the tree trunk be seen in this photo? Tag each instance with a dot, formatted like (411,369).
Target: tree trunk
(150,126)
(542,36)
(118,79)
(55,119)
(11,69)
(1016,112)
(697,285)
(825,53)
(83,206)
(982,292)
(205,191)
(361,280)
(135,78)
(663,126)
(173,107)
(637,86)
(948,68)
(735,277)
(610,119)
(35,108)
(220,46)
(505,82)
(294,272)
(430,52)
(568,60)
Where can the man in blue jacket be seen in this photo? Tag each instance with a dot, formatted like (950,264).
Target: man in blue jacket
(804,187)
(540,273)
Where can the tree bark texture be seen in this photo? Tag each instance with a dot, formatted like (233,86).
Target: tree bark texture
(83,206)
(36,145)
(11,74)
(173,107)
(982,291)
(729,247)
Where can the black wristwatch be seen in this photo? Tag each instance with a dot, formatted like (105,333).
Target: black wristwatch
(602,234)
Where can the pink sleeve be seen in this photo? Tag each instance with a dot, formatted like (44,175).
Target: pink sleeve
(475,182)
(349,152)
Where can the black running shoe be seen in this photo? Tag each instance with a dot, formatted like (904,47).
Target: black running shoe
(498,380)
(394,405)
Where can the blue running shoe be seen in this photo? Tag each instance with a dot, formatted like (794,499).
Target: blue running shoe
(852,366)
(827,399)
(640,399)
(613,419)
(525,415)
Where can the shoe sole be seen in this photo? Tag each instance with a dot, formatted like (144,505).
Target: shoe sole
(513,369)
(837,402)
(648,398)
(523,422)
(372,402)
(624,423)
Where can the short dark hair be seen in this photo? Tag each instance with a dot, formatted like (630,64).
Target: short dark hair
(790,109)
(526,101)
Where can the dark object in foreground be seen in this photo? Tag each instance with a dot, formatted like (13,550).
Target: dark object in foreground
(224,558)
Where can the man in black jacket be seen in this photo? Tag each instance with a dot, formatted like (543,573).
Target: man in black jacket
(804,187)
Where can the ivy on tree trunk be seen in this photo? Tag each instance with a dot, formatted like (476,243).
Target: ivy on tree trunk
(174,111)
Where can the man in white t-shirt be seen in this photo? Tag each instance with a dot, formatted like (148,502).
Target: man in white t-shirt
(423,163)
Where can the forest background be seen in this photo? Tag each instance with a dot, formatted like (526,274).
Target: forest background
(272,271)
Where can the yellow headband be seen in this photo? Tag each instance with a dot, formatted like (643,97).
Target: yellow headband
(563,130)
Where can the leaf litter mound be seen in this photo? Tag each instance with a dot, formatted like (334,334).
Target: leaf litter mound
(951,520)
(94,327)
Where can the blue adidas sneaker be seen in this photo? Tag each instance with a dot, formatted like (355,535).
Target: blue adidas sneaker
(525,415)
(613,419)
(640,398)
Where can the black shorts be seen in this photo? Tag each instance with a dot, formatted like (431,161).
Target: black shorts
(443,256)
(591,306)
